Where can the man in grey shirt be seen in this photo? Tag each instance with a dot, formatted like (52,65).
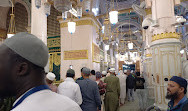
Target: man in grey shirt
(90,92)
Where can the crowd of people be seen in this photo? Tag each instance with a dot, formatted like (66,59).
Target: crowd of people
(22,76)
(95,91)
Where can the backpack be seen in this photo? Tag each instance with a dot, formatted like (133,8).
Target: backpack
(140,83)
(102,87)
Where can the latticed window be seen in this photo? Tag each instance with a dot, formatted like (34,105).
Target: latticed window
(53,25)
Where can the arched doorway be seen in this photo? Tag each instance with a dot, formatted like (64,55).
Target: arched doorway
(21,18)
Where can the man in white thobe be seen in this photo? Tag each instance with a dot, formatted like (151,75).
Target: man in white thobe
(22,60)
(70,89)
(122,78)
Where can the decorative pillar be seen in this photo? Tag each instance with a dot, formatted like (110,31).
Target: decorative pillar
(165,46)
(148,59)
(105,58)
(116,62)
(39,24)
(111,57)
(39,21)
(80,49)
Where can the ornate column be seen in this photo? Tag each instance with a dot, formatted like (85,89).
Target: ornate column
(39,21)
(39,24)
(148,59)
(80,49)
(165,48)
(116,62)
(105,58)
(111,57)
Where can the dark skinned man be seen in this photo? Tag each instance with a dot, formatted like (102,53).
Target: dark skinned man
(22,61)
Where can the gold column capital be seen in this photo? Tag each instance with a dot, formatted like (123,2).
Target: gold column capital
(166,36)
(148,11)
(148,55)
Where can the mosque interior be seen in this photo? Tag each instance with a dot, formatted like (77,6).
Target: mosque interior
(148,36)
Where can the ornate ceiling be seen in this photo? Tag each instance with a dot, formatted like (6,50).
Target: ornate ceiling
(129,22)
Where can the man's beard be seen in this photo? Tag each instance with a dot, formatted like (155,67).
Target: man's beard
(172,96)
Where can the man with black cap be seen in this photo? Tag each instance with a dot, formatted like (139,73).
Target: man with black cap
(90,92)
(22,61)
(176,90)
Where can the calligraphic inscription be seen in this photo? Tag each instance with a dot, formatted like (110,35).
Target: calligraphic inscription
(54,42)
(96,53)
(75,54)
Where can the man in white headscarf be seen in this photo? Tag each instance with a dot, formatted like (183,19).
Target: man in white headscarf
(122,79)
(50,77)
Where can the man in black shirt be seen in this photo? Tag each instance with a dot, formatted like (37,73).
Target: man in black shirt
(130,82)
(141,92)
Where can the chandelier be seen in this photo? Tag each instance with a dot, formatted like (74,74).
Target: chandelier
(47,7)
(79,12)
(113,15)
(38,3)
(130,45)
(64,15)
(62,5)
(107,47)
(87,5)
(12,28)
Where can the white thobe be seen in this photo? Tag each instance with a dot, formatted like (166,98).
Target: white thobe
(46,100)
(122,79)
(70,89)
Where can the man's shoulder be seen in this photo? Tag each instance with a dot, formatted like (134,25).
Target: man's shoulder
(49,100)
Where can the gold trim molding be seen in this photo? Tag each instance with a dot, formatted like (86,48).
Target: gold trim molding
(166,36)
(148,11)
(148,55)
(81,22)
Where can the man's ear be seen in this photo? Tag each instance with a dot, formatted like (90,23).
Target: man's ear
(22,68)
(181,89)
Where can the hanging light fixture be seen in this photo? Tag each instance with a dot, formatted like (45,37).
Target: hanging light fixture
(130,45)
(62,5)
(117,55)
(38,3)
(12,28)
(47,7)
(64,15)
(113,17)
(87,5)
(103,29)
(107,47)
(71,27)
(79,12)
